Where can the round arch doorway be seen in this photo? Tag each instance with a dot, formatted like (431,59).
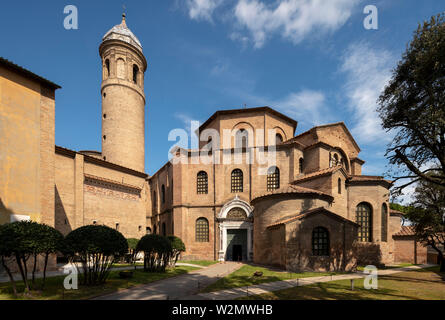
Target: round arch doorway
(236,231)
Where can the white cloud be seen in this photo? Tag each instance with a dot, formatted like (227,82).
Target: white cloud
(307,106)
(293,19)
(367,71)
(202,9)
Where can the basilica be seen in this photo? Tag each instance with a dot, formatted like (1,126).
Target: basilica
(308,207)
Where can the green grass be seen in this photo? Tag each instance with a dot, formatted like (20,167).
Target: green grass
(204,263)
(401,265)
(424,284)
(54,286)
(123,265)
(244,277)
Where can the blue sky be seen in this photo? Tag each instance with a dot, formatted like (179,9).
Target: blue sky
(312,60)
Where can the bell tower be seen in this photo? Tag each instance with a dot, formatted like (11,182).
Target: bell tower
(123,98)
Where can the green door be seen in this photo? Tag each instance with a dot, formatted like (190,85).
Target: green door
(236,245)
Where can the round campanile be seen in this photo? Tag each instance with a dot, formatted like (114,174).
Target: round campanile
(123,98)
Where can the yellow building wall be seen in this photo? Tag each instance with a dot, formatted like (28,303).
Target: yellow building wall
(20,145)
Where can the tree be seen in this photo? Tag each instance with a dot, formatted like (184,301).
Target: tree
(23,242)
(51,242)
(132,248)
(427,214)
(97,248)
(413,105)
(177,247)
(156,250)
(6,253)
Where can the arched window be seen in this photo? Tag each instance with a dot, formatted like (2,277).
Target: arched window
(107,67)
(202,183)
(120,68)
(384,223)
(135,73)
(237,181)
(242,139)
(364,219)
(335,160)
(202,230)
(148,230)
(320,242)
(278,139)
(273,178)
(339,186)
(301,164)
(163,193)
(164,229)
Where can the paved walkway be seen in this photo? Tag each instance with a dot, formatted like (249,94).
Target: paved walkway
(178,287)
(231,294)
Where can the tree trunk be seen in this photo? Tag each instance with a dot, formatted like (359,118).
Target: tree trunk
(8,271)
(22,272)
(44,271)
(34,271)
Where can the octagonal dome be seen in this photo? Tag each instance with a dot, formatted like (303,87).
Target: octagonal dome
(122,33)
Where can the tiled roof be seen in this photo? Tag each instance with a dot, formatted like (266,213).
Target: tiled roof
(246,110)
(10,65)
(405,231)
(368,179)
(317,174)
(325,126)
(306,213)
(293,189)
(391,211)
(100,162)
(123,33)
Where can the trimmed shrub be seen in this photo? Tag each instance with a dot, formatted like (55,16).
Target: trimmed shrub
(131,256)
(20,241)
(97,248)
(156,250)
(177,248)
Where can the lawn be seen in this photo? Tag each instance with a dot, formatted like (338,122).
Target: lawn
(54,286)
(204,263)
(401,265)
(244,277)
(424,284)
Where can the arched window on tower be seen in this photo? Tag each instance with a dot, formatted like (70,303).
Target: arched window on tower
(163,193)
(120,68)
(154,203)
(273,179)
(107,67)
(237,181)
(202,230)
(364,219)
(278,139)
(202,183)
(242,139)
(301,165)
(135,73)
(384,223)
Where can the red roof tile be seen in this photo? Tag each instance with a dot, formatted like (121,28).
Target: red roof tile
(405,231)
(306,213)
(293,189)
